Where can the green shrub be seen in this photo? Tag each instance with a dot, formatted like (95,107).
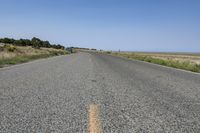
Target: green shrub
(1,48)
(108,52)
(10,48)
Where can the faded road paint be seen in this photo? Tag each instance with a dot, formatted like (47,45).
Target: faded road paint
(94,120)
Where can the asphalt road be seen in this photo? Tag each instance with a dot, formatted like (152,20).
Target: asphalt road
(63,94)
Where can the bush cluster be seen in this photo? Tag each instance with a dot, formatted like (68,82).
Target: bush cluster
(34,42)
(1,48)
(10,48)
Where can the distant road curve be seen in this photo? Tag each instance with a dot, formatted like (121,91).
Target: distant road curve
(87,92)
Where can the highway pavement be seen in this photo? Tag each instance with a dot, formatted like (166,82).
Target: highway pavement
(91,92)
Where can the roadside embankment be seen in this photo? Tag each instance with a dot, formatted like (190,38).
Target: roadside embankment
(190,62)
(10,54)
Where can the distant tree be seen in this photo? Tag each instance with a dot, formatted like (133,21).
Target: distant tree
(17,42)
(7,40)
(58,46)
(46,44)
(27,42)
(23,43)
(36,42)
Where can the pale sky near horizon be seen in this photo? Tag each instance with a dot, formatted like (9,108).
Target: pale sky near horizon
(129,25)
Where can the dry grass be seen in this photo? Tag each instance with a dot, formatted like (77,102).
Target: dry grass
(193,58)
(26,51)
(189,62)
(15,54)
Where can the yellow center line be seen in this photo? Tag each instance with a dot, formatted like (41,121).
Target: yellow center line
(94,121)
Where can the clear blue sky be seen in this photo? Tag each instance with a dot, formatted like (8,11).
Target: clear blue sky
(137,25)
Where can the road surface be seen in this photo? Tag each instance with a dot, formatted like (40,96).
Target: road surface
(89,92)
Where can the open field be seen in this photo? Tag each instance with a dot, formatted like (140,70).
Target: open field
(10,54)
(182,57)
(186,61)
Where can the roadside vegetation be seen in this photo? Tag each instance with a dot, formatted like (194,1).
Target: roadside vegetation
(34,42)
(19,51)
(185,64)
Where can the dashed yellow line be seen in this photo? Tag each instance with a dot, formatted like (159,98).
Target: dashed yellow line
(94,120)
